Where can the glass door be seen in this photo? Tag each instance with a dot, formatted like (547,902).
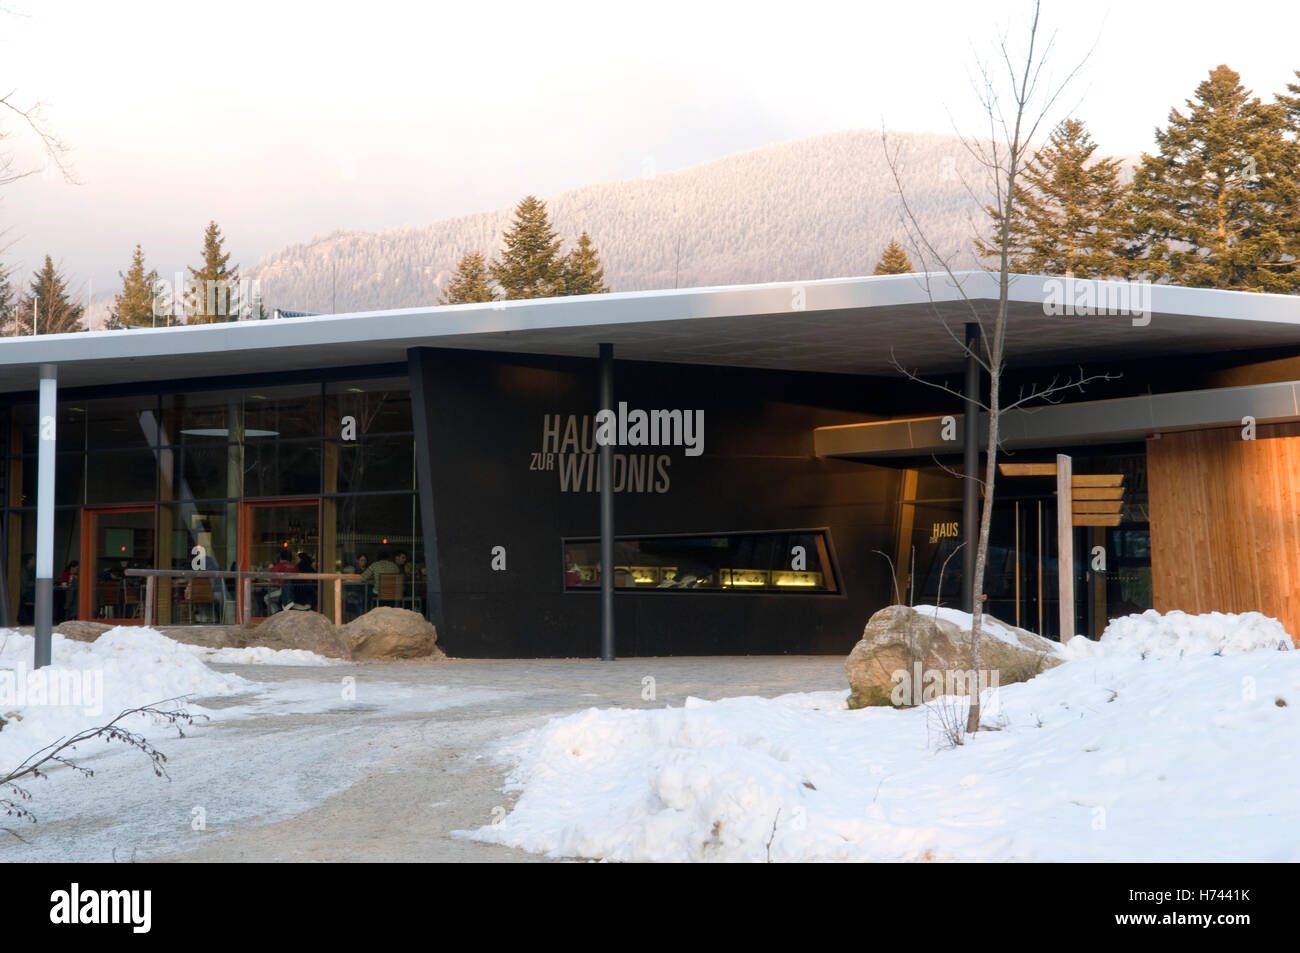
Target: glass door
(114,539)
(281,536)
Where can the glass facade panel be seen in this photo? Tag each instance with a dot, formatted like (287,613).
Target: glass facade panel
(376,406)
(122,476)
(282,412)
(380,531)
(207,468)
(374,464)
(204,472)
(69,478)
(275,467)
(204,417)
(116,423)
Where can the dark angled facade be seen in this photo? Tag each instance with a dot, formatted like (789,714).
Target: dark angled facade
(782,482)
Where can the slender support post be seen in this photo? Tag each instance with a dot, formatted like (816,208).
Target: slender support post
(970,514)
(150,590)
(338,600)
(248,601)
(45,515)
(431,392)
(1065,543)
(607,511)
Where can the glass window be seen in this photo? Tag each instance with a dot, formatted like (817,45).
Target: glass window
(199,471)
(786,562)
(24,422)
(203,417)
(123,476)
(373,464)
(274,467)
(376,406)
(69,485)
(118,422)
(363,530)
(282,412)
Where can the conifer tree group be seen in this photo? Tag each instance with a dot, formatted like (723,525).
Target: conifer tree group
(530,265)
(1216,206)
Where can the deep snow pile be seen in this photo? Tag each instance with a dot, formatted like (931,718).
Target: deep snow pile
(1173,634)
(91,682)
(1111,756)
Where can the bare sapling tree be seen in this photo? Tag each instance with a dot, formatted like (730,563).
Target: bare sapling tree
(1016,96)
(14,797)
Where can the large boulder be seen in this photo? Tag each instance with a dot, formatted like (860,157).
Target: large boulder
(911,655)
(300,629)
(387,632)
(80,630)
(210,636)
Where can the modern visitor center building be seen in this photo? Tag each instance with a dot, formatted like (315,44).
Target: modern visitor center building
(776,476)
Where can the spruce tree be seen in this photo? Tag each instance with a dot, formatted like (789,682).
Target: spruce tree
(1290,101)
(7,302)
(133,307)
(530,265)
(582,273)
(470,283)
(214,292)
(1068,210)
(894,261)
(1215,207)
(48,300)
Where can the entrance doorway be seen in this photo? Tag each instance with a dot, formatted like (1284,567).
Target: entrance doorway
(279,534)
(114,539)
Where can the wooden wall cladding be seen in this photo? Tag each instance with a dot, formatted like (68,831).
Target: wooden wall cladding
(1225,522)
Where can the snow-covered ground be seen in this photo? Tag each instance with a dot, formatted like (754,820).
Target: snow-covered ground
(1173,738)
(91,682)
(283,766)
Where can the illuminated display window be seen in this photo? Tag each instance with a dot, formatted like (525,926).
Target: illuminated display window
(787,561)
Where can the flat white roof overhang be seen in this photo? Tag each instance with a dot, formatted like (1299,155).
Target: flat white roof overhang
(1118,420)
(843,325)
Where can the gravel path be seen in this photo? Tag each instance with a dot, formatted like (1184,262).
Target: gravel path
(313,775)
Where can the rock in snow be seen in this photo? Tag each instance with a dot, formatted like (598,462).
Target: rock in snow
(387,632)
(911,655)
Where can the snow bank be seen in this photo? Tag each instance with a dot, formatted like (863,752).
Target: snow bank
(126,667)
(261,655)
(1181,756)
(1175,634)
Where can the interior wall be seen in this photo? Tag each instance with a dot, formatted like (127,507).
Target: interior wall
(1225,521)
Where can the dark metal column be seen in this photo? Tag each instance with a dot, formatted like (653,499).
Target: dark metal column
(607,511)
(423,375)
(970,499)
(45,424)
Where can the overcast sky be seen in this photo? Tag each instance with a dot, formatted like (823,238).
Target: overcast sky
(285,121)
